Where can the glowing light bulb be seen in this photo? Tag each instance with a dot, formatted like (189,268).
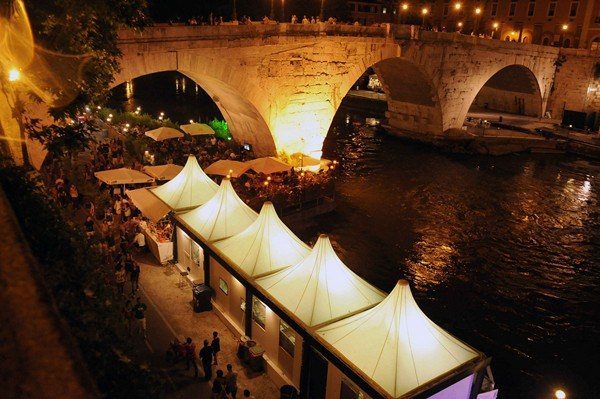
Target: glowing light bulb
(266,183)
(162,114)
(565,27)
(460,24)
(110,115)
(138,108)
(478,11)
(99,107)
(127,125)
(457,6)
(405,6)
(424,11)
(496,25)
(13,75)
(191,121)
(560,394)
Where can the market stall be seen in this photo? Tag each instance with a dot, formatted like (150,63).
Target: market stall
(158,239)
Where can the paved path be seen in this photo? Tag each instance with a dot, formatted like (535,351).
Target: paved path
(170,314)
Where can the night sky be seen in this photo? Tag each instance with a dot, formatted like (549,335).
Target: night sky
(165,10)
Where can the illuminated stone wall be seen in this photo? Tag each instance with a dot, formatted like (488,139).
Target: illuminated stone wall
(577,84)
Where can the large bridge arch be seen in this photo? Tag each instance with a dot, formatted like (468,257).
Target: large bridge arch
(513,89)
(245,121)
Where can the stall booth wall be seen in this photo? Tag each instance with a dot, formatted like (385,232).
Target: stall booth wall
(459,390)
(229,296)
(339,386)
(190,255)
(280,364)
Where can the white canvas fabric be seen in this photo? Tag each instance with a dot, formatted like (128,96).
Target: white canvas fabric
(268,165)
(396,345)
(163,133)
(197,129)
(224,167)
(190,188)
(320,287)
(267,245)
(123,176)
(150,206)
(163,172)
(223,216)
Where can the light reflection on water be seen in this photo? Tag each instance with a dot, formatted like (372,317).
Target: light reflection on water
(503,252)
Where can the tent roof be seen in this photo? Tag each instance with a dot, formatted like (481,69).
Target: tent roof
(395,345)
(163,133)
(190,188)
(320,287)
(123,176)
(197,129)
(224,167)
(150,206)
(267,245)
(163,172)
(268,165)
(224,215)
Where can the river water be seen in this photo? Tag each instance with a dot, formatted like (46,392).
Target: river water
(502,252)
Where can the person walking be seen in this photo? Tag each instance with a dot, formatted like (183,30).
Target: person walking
(206,355)
(231,382)
(135,277)
(216,346)
(128,315)
(139,312)
(190,356)
(218,388)
(120,278)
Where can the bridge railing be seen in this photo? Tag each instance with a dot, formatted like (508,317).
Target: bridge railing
(230,31)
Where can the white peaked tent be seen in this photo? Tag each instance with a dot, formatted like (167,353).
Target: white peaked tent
(267,245)
(320,287)
(190,188)
(396,345)
(224,215)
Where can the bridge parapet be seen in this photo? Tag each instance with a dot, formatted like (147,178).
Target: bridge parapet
(181,33)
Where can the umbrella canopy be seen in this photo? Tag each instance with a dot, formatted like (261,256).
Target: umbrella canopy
(268,165)
(197,129)
(150,206)
(320,287)
(190,188)
(266,246)
(222,216)
(299,159)
(224,167)
(395,345)
(163,172)
(163,133)
(123,176)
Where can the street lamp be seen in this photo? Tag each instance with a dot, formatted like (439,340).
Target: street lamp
(14,74)
(495,25)
(565,27)
(272,14)
(477,14)
(457,6)
(560,394)
(424,13)
(460,25)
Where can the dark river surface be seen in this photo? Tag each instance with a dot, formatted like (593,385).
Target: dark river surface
(503,252)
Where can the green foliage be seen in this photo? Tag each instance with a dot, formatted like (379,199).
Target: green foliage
(80,286)
(221,129)
(87,28)
(63,141)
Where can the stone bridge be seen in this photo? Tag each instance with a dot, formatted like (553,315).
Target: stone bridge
(279,86)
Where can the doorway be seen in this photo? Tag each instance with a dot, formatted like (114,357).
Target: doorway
(317,374)
(190,256)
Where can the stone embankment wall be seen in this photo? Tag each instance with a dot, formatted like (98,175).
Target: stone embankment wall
(576,84)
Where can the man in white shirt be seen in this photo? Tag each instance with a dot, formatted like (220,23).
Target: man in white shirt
(140,240)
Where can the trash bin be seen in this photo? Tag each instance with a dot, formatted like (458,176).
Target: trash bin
(201,295)
(288,392)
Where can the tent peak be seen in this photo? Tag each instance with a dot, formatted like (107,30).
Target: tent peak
(402,282)
(323,236)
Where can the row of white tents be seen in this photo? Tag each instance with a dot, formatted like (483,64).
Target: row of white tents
(166,133)
(385,339)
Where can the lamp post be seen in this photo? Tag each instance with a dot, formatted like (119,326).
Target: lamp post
(14,76)
(272,13)
(322,10)
(424,13)
(282,10)
(403,11)
(495,26)
(477,15)
(234,13)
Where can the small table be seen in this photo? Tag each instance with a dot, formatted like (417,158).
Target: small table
(182,279)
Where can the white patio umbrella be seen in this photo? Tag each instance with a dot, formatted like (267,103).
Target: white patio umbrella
(197,129)
(224,167)
(163,172)
(268,165)
(163,133)
(121,176)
